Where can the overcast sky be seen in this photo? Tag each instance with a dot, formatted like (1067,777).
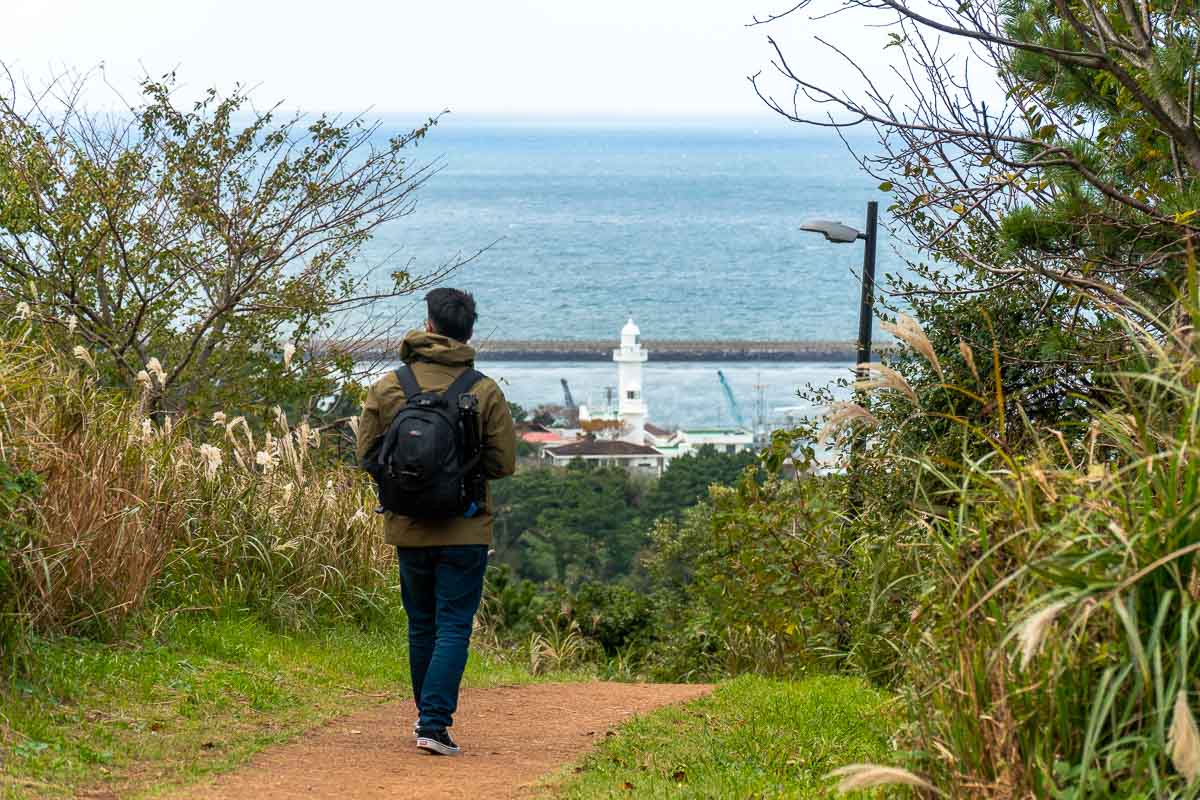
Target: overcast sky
(544,57)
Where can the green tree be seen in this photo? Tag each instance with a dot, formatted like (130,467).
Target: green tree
(197,250)
(1047,176)
(686,480)
(568,525)
(519,414)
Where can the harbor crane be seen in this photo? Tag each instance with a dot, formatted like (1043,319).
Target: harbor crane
(568,400)
(734,409)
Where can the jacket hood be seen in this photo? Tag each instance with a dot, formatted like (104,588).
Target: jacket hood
(425,346)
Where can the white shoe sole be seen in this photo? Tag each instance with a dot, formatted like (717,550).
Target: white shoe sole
(434,746)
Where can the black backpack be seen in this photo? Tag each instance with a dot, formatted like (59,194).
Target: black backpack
(427,464)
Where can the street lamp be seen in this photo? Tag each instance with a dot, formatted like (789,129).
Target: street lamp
(844,234)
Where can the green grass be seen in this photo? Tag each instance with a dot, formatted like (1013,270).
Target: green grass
(753,738)
(200,697)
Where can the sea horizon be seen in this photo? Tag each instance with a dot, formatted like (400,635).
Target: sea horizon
(693,231)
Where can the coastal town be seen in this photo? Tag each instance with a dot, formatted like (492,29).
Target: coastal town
(620,433)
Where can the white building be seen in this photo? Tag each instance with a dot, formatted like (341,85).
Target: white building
(629,419)
(631,405)
(606,453)
(687,440)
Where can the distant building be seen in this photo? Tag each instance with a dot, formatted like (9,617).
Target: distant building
(643,445)
(673,444)
(631,406)
(608,453)
(545,438)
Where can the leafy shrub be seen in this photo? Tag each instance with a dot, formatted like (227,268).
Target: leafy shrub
(18,491)
(616,616)
(1059,656)
(1048,573)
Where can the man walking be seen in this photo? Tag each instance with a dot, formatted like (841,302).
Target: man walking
(441,535)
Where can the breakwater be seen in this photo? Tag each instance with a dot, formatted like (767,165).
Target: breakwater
(659,350)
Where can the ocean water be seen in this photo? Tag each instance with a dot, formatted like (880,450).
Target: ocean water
(692,229)
(677,394)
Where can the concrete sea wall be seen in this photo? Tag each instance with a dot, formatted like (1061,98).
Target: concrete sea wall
(662,350)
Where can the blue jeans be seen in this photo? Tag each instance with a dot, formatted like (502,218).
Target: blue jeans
(441,588)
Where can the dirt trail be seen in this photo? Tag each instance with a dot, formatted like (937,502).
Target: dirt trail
(511,737)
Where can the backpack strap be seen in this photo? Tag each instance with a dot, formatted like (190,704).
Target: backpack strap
(461,385)
(408,382)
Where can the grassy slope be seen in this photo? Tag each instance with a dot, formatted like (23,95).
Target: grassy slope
(201,697)
(753,737)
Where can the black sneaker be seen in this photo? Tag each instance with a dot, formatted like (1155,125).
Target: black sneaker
(437,742)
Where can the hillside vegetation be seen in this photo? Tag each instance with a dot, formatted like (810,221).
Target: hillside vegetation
(109,514)
(1011,550)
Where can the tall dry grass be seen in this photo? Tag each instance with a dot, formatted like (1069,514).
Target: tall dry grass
(1055,650)
(134,513)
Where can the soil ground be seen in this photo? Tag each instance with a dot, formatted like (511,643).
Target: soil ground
(511,737)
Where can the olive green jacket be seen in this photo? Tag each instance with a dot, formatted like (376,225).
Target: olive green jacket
(436,361)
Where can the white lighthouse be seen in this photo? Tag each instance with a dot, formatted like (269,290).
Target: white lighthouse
(631,407)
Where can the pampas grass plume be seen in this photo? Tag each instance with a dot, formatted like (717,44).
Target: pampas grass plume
(211,456)
(885,378)
(1184,739)
(969,356)
(856,777)
(80,352)
(841,414)
(909,331)
(155,368)
(1032,632)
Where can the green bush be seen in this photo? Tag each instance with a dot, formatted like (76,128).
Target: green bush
(18,492)
(1037,584)
(615,616)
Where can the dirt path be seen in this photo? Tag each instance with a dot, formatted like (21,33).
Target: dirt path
(511,736)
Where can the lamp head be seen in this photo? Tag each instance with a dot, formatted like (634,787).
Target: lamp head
(832,231)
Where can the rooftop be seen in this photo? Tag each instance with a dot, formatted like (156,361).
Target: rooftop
(602,447)
(541,437)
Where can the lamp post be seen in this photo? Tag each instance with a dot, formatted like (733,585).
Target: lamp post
(844,234)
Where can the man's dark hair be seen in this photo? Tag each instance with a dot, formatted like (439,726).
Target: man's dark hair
(452,312)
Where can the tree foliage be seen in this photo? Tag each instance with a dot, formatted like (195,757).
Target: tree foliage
(215,238)
(1043,158)
(590,524)
(1026,461)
